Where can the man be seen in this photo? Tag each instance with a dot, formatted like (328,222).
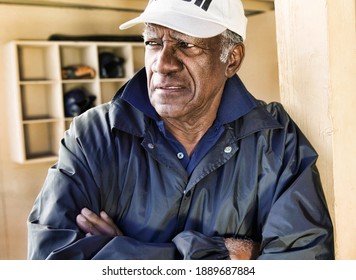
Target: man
(184,162)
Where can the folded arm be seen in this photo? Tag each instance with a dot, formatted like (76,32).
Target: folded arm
(237,249)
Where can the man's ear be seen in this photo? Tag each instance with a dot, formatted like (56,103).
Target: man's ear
(235,59)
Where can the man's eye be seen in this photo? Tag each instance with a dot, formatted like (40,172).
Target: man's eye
(151,43)
(186,45)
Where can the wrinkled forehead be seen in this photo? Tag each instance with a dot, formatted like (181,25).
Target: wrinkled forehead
(158,31)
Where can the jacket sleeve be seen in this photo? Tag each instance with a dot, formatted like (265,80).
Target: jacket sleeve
(71,185)
(193,245)
(53,234)
(293,214)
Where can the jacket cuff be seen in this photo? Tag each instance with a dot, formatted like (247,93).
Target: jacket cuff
(193,245)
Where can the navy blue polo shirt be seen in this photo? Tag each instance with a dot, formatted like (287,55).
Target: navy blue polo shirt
(234,104)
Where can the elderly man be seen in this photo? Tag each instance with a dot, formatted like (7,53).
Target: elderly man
(184,163)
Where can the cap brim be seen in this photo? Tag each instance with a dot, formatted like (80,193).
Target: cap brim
(182,23)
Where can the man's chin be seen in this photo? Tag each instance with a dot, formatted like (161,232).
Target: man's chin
(171,112)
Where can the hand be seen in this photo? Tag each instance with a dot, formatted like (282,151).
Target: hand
(242,249)
(93,224)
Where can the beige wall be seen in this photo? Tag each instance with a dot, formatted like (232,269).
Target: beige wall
(317,63)
(20,184)
(342,59)
(259,70)
(304,78)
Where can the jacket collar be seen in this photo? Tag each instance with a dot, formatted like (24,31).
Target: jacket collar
(132,104)
(236,100)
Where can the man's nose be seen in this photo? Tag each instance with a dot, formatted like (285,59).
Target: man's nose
(167,61)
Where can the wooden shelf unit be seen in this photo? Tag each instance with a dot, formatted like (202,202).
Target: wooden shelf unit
(36,89)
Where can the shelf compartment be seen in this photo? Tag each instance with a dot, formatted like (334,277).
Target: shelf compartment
(36,62)
(85,55)
(41,139)
(40,101)
(124,52)
(109,89)
(91,88)
(138,56)
(68,122)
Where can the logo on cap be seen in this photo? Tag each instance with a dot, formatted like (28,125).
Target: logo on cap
(204,4)
(201,3)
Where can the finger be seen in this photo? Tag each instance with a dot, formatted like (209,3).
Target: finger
(82,223)
(90,216)
(96,224)
(103,224)
(109,221)
(85,225)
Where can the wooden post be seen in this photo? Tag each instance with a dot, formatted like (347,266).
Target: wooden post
(316,44)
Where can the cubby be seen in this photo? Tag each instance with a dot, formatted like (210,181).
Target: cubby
(37,87)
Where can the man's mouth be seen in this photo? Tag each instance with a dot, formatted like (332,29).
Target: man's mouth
(169,87)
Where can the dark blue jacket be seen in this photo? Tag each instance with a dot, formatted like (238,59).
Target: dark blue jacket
(258,181)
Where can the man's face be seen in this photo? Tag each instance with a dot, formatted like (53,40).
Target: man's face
(184,74)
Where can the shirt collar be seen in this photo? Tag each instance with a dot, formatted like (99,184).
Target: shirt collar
(236,100)
(136,94)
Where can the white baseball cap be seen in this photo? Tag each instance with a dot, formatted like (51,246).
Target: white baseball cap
(197,18)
